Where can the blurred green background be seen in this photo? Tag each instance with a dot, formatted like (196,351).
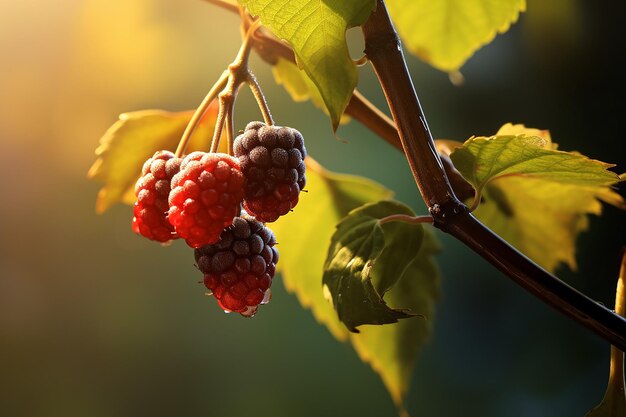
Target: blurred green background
(96,322)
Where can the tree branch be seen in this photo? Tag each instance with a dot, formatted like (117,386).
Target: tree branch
(269,49)
(383,48)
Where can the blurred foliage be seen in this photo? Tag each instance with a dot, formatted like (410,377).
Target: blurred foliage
(94,321)
(450,31)
(134,138)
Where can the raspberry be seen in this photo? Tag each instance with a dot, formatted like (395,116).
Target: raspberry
(272,160)
(206,196)
(239,268)
(152,190)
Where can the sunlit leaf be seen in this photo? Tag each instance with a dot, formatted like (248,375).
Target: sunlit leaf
(535,196)
(303,237)
(299,85)
(361,245)
(131,140)
(316,29)
(445,33)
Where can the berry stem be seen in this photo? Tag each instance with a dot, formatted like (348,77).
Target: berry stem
(230,128)
(199,113)
(260,99)
(365,112)
(219,125)
(237,74)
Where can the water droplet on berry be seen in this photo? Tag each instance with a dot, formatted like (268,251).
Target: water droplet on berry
(250,311)
(267,297)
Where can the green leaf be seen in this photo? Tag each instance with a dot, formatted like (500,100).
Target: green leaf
(316,30)
(445,33)
(299,85)
(391,350)
(535,196)
(135,137)
(296,82)
(304,235)
(356,249)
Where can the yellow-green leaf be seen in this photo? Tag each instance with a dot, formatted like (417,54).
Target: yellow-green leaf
(303,235)
(135,137)
(299,85)
(535,196)
(316,30)
(445,33)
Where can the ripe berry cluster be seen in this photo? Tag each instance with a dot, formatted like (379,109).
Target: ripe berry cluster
(199,197)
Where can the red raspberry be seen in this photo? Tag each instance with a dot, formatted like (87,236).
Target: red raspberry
(206,196)
(239,268)
(152,190)
(272,160)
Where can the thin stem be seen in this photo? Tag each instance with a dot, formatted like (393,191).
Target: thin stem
(477,197)
(383,48)
(219,126)
(366,113)
(260,99)
(405,218)
(199,113)
(225,5)
(244,51)
(230,129)
(616,373)
(370,116)
(361,61)
(237,74)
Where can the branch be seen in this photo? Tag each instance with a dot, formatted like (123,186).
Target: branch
(383,48)
(269,49)
(450,215)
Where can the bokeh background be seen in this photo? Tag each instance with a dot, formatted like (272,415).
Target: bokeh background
(96,322)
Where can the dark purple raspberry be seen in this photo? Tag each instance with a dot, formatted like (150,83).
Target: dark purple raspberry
(272,160)
(206,196)
(239,268)
(152,190)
